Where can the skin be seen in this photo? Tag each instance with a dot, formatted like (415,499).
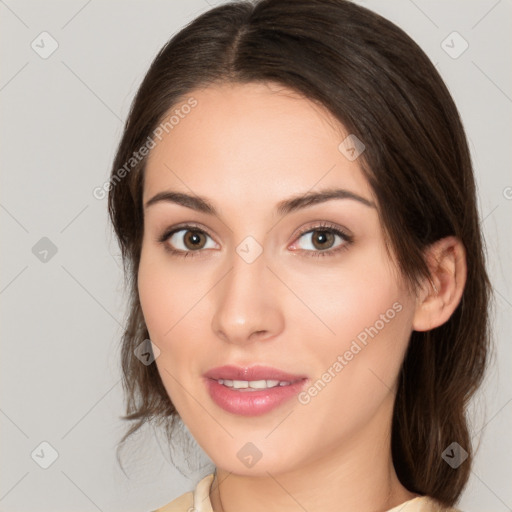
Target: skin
(245,148)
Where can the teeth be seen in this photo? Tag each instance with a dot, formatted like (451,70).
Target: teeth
(252,384)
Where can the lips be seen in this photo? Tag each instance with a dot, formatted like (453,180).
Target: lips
(251,391)
(253,373)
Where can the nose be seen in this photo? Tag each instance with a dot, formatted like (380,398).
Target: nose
(247,307)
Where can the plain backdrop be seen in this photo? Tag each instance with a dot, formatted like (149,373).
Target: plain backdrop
(61,287)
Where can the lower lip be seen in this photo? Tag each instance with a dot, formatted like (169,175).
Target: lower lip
(251,403)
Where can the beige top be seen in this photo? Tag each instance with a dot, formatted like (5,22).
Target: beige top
(198,500)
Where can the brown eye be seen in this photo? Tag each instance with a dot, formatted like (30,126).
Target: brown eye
(187,240)
(194,240)
(322,239)
(325,239)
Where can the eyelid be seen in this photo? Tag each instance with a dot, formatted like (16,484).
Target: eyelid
(319,225)
(183,226)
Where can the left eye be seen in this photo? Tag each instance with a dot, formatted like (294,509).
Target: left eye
(322,239)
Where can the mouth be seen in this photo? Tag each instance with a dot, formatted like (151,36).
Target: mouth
(251,391)
(253,385)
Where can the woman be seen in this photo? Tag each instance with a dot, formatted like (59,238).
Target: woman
(295,203)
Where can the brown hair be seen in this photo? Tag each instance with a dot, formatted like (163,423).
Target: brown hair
(382,87)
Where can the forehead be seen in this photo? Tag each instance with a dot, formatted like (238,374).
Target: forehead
(252,142)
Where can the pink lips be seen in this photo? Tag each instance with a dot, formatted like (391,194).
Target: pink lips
(246,402)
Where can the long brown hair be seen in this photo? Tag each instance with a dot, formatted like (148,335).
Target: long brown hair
(383,88)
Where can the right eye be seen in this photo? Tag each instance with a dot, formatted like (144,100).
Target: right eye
(185,240)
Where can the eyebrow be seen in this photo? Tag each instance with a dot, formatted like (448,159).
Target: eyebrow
(289,205)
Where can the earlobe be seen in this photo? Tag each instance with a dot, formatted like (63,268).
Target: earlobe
(441,294)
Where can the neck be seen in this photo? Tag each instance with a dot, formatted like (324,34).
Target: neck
(358,476)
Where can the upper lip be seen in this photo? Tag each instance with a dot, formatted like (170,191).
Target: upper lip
(256,372)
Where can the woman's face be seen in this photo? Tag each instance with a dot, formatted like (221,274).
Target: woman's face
(306,290)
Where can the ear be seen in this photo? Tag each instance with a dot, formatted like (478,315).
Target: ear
(439,296)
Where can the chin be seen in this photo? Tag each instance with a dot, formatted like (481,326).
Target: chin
(249,460)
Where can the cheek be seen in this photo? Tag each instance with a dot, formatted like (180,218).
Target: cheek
(347,298)
(170,297)
(354,369)
(166,294)
(366,317)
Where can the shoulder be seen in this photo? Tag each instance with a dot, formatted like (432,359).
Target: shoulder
(197,500)
(423,504)
(182,504)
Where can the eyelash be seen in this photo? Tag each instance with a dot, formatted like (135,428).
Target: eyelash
(325,226)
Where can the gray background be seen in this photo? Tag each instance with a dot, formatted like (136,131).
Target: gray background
(62,313)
